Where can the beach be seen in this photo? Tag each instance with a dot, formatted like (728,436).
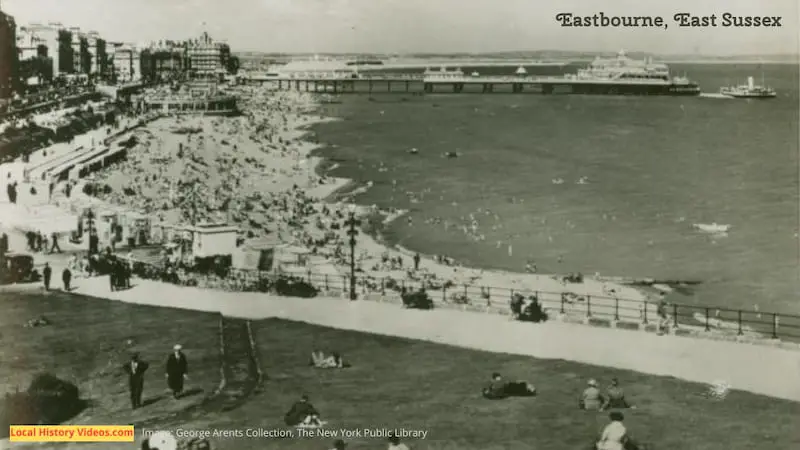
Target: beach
(256,171)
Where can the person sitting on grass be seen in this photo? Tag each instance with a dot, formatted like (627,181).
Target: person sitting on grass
(303,414)
(615,397)
(591,399)
(498,389)
(334,361)
(615,435)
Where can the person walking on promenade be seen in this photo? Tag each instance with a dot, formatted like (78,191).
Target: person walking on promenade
(136,369)
(177,370)
(47,274)
(55,247)
(66,277)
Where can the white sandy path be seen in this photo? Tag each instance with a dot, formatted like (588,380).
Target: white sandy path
(764,370)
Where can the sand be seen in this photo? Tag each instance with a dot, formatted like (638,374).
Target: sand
(256,171)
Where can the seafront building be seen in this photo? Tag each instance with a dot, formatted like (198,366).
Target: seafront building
(163,60)
(207,58)
(98,58)
(81,58)
(8,54)
(126,65)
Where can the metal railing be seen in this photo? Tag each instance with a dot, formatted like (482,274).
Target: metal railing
(598,309)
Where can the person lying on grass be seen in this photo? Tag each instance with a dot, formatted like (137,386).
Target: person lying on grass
(499,389)
(303,414)
(334,361)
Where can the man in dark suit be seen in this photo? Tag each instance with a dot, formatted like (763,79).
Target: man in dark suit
(66,277)
(177,370)
(47,274)
(135,368)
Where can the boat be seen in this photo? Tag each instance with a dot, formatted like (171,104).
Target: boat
(621,76)
(712,227)
(749,90)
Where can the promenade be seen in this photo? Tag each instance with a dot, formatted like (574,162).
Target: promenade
(763,370)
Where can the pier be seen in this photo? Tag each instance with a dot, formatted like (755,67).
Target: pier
(415,84)
(419,84)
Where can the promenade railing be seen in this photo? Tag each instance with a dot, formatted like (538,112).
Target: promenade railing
(602,310)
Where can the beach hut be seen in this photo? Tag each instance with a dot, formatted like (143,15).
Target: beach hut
(257,254)
(213,239)
(136,229)
(107,225)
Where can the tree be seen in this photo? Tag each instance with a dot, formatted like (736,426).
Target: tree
(233,65)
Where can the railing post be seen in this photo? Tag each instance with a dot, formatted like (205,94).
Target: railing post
(444,293)
(326,283)
(383,286)
(675,315)
(308,274)
(774,326)
(644,313)
(488,296)
(465,292)
(708,328)
(588,306)
(562,304)
(616,309)
(740,322)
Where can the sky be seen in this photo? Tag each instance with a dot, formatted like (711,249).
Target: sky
(420,26)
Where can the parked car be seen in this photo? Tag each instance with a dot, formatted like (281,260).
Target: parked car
(18,268)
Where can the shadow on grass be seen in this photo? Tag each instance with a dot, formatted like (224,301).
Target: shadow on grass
(190,393)
(48,401)
(152,400)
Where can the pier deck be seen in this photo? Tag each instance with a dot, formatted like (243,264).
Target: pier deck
(419,84)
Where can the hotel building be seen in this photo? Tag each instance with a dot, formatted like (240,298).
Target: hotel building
(126,63)
(81,59)
(57,41)
(97,53)
(205,57)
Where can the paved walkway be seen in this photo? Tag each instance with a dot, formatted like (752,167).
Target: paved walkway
(765,370)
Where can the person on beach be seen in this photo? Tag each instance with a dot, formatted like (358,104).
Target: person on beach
(615,397)
(591,399)
(47,275)
(302,414)
(135,368)
(177,371)
(416,261)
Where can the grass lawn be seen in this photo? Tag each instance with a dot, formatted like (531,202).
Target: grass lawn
(417,385)
(89,339)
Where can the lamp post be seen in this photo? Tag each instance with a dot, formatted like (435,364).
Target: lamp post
(92,232)
(352,223)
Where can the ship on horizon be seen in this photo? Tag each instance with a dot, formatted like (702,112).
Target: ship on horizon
(623,76)
(749,90)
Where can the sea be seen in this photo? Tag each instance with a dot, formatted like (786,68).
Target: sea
(591,184)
